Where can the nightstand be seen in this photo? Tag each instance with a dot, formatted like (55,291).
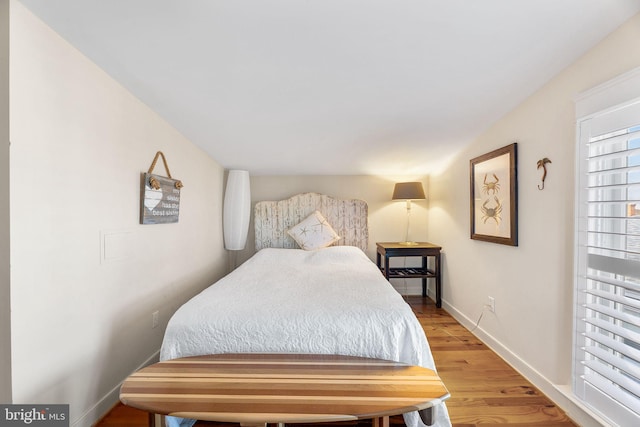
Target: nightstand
(422,249)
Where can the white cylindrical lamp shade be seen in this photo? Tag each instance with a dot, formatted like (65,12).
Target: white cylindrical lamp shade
(236,210)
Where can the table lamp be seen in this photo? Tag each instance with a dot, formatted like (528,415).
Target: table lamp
(408,191)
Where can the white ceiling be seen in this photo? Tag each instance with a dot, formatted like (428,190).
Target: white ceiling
(333,86)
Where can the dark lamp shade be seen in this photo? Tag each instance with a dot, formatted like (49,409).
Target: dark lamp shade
(408,191)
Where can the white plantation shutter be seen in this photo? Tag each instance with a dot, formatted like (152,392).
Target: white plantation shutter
(607,324)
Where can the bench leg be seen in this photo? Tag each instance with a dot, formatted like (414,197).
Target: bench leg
(156,420)
(426,415)
(381,422)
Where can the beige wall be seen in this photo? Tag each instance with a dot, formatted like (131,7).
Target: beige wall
(532,284)
(387,219)
(5,312)
(86,276)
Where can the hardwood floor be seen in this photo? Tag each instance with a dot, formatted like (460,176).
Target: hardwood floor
(485,391)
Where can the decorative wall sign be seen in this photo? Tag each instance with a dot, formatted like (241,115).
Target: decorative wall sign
(160,196)
(494,196)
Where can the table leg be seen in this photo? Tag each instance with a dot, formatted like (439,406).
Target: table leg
(386,267)
(438,281)
(424,279)
(381,422)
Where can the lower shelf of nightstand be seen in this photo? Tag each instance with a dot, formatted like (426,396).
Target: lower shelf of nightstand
(410,273)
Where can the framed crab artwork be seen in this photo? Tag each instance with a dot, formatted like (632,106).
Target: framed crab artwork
(494,196)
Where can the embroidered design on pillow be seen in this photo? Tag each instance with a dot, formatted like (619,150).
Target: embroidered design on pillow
(313,232)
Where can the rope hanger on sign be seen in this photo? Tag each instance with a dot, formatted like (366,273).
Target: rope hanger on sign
(153,182)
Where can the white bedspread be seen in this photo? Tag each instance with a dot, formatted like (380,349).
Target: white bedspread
(329,301)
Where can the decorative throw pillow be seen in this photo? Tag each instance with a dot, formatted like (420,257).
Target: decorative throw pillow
(313,232)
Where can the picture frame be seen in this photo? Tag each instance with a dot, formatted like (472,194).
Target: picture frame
(494,196)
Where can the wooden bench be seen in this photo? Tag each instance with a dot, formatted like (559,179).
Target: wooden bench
(254,389)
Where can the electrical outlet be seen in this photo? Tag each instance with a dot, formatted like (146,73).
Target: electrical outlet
(155,319)
(492,304)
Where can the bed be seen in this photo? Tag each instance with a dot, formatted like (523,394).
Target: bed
(284,299)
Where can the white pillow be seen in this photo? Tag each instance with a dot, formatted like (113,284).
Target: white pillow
(313,232)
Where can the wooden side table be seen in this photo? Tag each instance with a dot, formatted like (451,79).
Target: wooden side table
(422,249)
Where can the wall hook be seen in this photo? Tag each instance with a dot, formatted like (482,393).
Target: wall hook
(542,163)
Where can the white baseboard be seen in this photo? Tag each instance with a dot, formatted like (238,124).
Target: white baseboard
(560,394)
(109,400)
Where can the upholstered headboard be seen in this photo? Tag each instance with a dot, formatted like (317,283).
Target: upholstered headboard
(349,218)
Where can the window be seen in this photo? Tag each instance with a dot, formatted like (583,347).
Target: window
(607,325)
